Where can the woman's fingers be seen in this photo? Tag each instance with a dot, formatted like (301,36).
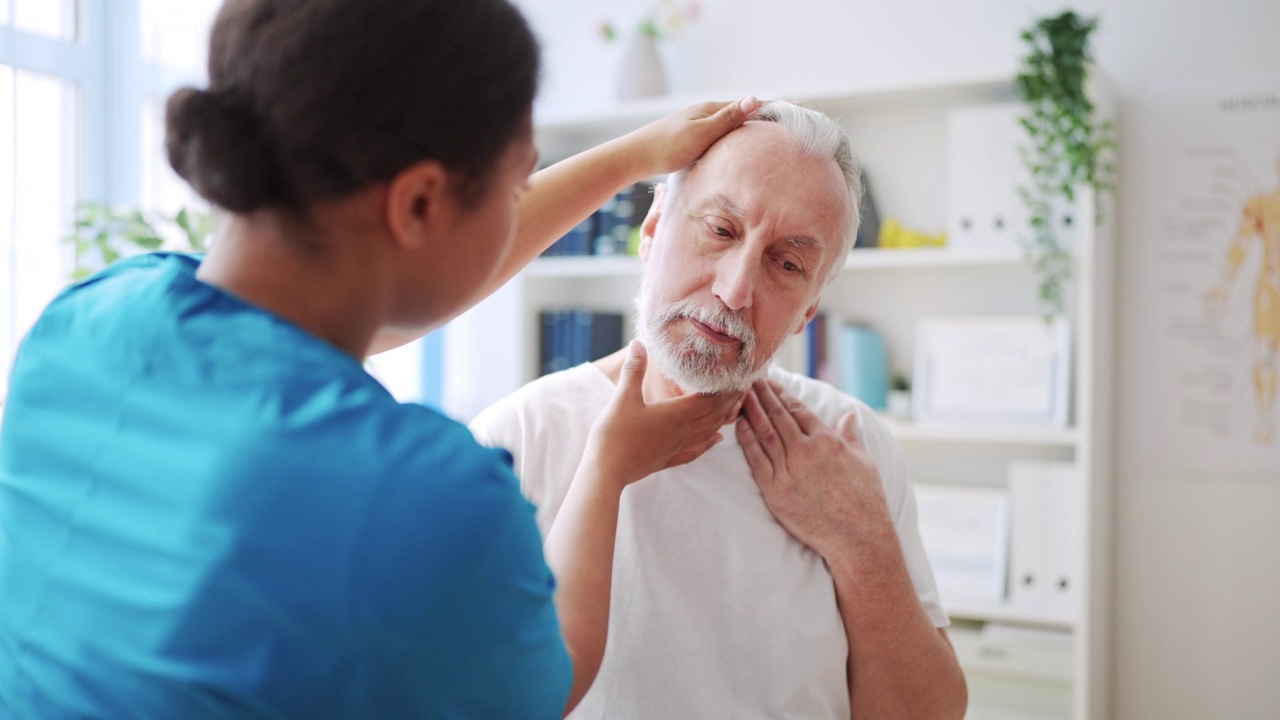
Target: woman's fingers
(704,410)
(689,454)
(631,377)
(734,114)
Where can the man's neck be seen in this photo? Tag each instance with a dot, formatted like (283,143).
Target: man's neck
(656,386)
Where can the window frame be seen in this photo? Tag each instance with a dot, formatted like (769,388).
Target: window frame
(113,82)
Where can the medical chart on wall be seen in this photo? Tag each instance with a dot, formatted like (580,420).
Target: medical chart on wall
(1208,350)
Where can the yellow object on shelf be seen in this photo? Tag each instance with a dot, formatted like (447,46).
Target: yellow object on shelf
(893,235)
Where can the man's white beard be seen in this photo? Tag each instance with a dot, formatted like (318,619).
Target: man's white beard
(696,363)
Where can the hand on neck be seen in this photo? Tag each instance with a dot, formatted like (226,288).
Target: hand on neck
(656,387)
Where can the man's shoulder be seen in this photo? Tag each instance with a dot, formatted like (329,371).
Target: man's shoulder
(568,394)
(824,399)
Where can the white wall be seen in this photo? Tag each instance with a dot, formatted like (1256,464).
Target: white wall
(1197,557)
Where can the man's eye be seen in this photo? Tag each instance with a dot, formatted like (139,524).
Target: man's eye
(791,267)
(721,231)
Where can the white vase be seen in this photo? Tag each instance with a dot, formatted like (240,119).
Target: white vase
(899,403)
(640,71)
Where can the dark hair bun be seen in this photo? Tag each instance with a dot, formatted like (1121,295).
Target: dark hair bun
(218,147)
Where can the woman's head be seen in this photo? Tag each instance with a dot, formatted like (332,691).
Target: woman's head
(313,100)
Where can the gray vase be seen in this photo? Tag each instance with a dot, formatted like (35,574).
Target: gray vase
(640,72)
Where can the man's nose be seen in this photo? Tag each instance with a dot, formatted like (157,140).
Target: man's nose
(735,280)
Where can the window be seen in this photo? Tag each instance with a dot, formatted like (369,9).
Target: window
(83,86)
(53,19)
(42,74)
(173,44)
(80,123)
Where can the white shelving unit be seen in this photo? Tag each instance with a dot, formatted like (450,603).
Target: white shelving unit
(899,134)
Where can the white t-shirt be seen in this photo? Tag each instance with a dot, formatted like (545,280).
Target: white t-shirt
(717,612)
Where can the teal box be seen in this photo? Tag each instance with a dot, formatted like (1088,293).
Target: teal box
(864,365)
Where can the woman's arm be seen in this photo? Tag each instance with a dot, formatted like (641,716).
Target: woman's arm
(630,441)
(563,195)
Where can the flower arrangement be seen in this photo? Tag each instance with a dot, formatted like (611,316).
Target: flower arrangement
(664,19)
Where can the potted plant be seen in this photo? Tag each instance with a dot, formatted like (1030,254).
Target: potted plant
(102,234)
(1068,147)
(898,402)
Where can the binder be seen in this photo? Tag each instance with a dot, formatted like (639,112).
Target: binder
(985,171)
(1046,549)
(864,365)
(605,335)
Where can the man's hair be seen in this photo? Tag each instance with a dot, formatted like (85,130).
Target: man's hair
(815,134)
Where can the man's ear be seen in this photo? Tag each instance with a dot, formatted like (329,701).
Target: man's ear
(808,315)
(650,225)
(419,200)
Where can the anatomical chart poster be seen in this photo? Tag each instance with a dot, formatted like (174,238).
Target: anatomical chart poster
(1208,350)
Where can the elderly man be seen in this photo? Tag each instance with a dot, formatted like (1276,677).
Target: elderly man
(781,573)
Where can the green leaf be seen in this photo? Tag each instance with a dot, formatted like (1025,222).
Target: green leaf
(149,242)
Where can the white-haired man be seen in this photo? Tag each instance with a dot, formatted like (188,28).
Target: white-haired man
(781,573)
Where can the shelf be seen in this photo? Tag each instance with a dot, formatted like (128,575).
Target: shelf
(624,116)
(875,258)
(907,431)
(589,266)
(1006,614)
(585,266)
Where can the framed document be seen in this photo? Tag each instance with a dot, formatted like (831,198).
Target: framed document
(993,370)
(965,531)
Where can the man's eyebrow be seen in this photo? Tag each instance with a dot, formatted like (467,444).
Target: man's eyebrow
(804,242)
(726,205)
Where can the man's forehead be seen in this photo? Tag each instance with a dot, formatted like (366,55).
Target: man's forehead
(758,134)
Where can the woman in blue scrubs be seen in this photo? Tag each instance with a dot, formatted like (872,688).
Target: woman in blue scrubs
(208,509)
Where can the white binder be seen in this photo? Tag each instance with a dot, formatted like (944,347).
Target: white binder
(985,170)
(1046,545)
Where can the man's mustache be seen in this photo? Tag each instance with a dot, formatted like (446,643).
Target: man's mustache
(720,319)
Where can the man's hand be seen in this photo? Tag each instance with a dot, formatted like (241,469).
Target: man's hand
(631,440)
(817,481)
(675,141)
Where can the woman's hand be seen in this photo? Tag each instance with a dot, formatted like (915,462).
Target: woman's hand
(632,440)
(675,141)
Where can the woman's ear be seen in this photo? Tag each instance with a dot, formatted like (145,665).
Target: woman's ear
(650,225)
(419,202)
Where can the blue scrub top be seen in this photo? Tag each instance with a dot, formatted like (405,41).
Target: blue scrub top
(206,512)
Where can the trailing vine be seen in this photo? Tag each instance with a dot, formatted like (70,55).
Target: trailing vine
(1068,148)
